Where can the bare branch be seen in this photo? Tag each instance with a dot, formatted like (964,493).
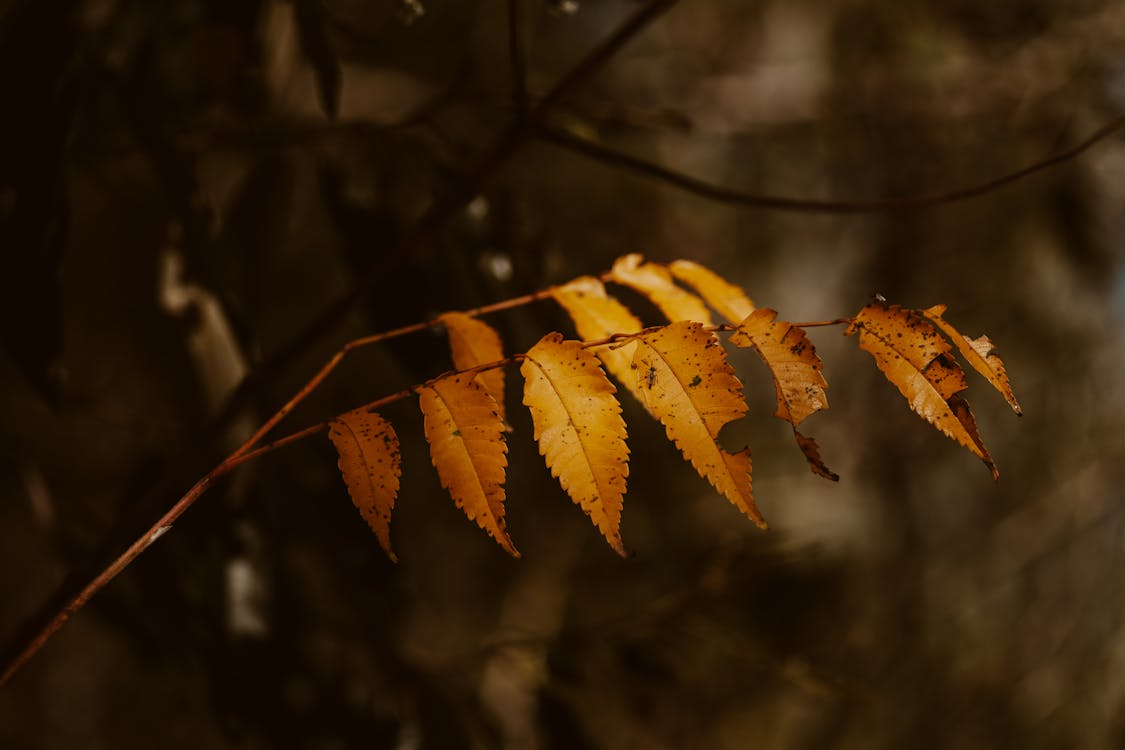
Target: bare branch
(615,158)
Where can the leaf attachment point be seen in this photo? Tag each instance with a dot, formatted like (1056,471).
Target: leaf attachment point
(655,282)
(371,465)
(579,428)
(466,437)
(691,388)
(916,359)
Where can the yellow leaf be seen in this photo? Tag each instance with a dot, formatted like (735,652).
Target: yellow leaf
(371,465)
(979,353)
(726,298)
(654,281)
(596,315)
(473,342)
(915,358)
(579,429)
(466,437)
(691,388)
(792,360)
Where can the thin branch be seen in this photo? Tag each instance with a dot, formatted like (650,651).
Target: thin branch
(437,215)
(615,158)
(516,59)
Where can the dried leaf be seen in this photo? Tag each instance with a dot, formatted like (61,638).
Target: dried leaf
(796,371)
(654,281)
(792,360)
(726,298)
(915,358)
(811,450)
(596,315)
(979,353)
(965,417)
(466,437)
(691,388)
(473,342)
(371,465)
(579,429)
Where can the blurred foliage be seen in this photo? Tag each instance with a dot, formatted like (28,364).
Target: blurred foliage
(186,184)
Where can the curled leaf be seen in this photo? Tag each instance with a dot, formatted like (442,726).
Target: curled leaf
(915,358)
(473,342)
(466,437)
(655,282)
(811,451)
(979,353)
(726,298)
(579,428)
(597,315)
(691,388)
(371,466)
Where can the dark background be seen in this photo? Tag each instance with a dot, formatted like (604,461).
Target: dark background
(186,185)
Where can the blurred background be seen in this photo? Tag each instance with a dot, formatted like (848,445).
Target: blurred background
(187,186)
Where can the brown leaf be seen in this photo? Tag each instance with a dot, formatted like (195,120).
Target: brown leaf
(579,429)
(792,360)
(965,417)
(691,388)
(656,283)
(811,450)
(796,371)
(979,353)
(915,358)
(466,437)
(473,342)
(371,465)
(596,315)
(726,298)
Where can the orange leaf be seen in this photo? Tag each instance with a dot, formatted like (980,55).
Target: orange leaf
(371,465)
(691,388)
(596,315)
(726,298)
(796,371)
(979,353)
(654,281)
(473,342)
(466,436)
(965,417)
(792,360)
(915,358)
(579,429)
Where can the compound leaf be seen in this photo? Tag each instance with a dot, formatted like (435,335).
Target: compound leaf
(371,466)
(691,388)
(466,436)
(579,428)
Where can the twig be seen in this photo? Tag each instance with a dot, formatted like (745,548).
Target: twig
(516,59)
(438,213)
(615,158)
